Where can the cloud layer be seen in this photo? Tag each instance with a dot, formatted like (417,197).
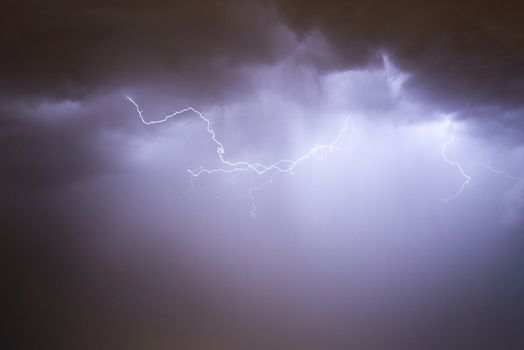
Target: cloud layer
(108,244)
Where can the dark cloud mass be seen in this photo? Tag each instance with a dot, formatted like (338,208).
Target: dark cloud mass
(470,52)
(107,244)
(80,48)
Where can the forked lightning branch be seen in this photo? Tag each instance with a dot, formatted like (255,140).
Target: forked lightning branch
(268,172)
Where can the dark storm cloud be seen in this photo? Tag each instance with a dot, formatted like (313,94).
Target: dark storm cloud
(76,48)
(78,52)
(463,56)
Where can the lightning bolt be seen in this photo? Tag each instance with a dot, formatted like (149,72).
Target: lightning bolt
(456,164)
(282,166)
(498,172)
(466,177)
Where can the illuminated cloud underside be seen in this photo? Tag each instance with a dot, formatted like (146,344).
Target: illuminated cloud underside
(393,78)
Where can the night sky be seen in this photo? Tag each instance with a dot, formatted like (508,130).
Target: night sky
(404,230)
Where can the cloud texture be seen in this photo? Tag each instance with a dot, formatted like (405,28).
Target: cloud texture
(108,245)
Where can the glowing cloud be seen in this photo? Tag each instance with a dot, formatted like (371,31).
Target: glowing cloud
(287,166)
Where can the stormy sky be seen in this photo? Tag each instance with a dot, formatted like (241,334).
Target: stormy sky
(406,234)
